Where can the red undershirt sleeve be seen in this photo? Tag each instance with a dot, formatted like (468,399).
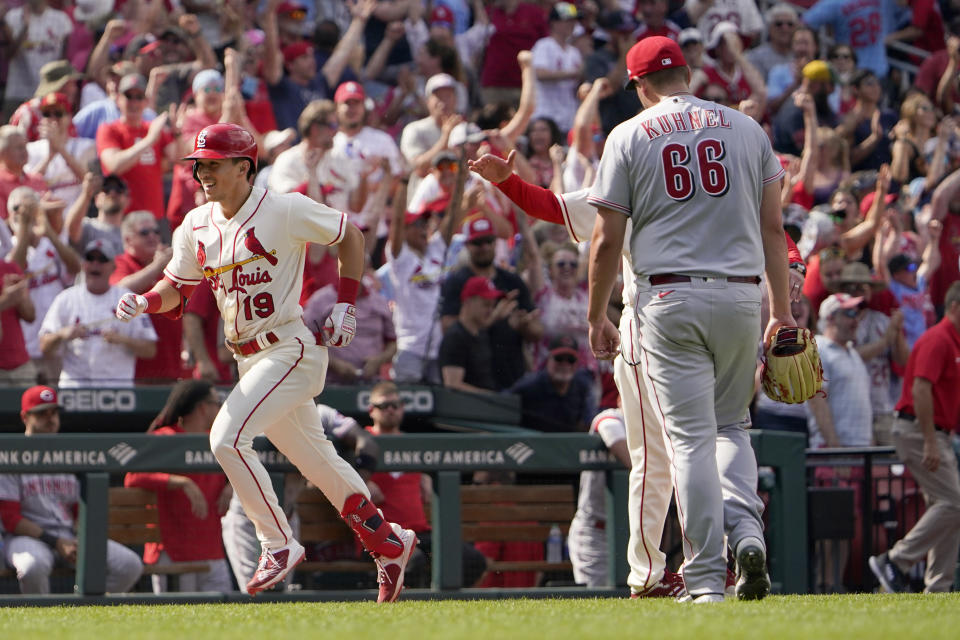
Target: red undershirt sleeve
(535,201)
(793,254)
(10,514)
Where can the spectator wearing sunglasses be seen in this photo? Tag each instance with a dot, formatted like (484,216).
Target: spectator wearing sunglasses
(97,349)
(139,267)
(110,196)
(134,149)
(563,305)
(58,155)
(556,399)
(403,496)
(467,357)
(782,21)
(517,320)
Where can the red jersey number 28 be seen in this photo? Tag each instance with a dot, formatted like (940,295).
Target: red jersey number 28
(679,176)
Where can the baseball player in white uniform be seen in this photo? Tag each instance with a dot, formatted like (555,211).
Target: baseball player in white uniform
(250,244)
(701,186)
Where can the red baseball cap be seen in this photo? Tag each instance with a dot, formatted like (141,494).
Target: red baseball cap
(437,206)
(441,15)
(479,286)
(479,228)
(653,53)
(56,100)
(349,91)
(293,51)
(37,398)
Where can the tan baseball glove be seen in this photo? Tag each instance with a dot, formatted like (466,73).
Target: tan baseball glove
(792,372)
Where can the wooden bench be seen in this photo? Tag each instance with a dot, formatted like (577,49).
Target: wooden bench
(134,520)
(489,513)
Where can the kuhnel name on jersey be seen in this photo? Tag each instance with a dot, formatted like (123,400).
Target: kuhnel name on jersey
(684,121)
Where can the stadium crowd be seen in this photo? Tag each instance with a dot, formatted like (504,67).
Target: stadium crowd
(373,106)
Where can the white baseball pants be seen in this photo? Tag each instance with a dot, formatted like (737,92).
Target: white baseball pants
(650,481)
(699,343)
(33,561)
(274,396)
(587,546)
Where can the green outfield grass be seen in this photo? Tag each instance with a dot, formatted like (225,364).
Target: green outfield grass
(867,617)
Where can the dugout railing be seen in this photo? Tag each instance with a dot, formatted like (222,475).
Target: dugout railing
(95,457)
(861,501)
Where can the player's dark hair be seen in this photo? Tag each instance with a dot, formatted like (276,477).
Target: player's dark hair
(660,80)
(251,168)
(183,399)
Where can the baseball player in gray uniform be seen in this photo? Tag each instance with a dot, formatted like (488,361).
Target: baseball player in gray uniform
(250,244)
(701,186)
(650,481)
(38,513)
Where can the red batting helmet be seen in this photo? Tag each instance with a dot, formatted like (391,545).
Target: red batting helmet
(224,140)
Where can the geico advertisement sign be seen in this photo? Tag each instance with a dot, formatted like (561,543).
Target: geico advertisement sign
(414,401)
(110,400)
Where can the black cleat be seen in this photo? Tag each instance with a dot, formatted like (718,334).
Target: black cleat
(891,578)
(753,581)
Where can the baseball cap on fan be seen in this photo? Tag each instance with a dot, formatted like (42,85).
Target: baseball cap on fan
(652,54)
(479,228)
(564,344)
(38,398)
(101,246)
(349,91)
(440,81)
(839,302)
(441,16)
(479,286)
(132,81)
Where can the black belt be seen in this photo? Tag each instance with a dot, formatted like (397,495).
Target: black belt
(672,278)
(903,415)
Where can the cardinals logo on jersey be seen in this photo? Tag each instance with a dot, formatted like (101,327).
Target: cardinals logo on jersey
(253,245)
(201,254)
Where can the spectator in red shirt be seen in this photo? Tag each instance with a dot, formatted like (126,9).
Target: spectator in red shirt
(139,267)
(518,26)
(938,77)
(13,160)
(134,149)
(928,411)
(653,14)
(946,209)
(401,496)
(16,368)
(730,69)
(189,506)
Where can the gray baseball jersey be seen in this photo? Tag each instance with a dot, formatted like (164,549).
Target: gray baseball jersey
(680,151)
(47,500)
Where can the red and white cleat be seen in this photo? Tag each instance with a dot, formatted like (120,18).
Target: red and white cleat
(390,570)
(274,566)
(670,586)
